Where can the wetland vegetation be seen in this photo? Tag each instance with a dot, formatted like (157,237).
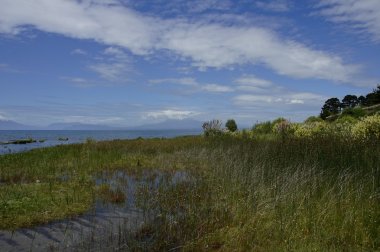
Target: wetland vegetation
(241,192)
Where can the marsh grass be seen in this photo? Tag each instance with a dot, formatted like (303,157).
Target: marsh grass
(297,194)
(315,194)
(24,205)
(108,194)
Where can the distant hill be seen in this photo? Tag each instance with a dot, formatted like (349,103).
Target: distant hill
(184,124)
(78,126)
(12,125)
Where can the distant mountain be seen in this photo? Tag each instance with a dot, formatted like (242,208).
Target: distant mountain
(185,124)
(11,125)
(172,124)
(78,126)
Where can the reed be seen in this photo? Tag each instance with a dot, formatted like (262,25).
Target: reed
(236,194)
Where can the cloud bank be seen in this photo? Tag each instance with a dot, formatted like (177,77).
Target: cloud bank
(203,43)
(359,15)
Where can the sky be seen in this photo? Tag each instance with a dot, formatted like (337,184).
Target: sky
(127,63)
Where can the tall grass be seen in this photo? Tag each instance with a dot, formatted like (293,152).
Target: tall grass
(320,194)
(306,194)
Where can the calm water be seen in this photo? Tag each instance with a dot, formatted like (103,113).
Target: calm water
(78,136)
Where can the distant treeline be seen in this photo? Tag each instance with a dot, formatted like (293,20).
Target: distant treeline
(334,106)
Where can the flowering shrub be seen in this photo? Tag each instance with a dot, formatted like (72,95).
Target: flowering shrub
(342,126)
(311,129)
(367,128)
(243,134)
(282,128)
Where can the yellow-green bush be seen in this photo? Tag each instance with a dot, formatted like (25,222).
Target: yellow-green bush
(311,129)
(282,128)
(367,128)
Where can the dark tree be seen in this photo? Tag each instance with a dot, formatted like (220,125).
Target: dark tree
(331,107)
(231,125)
(349,101)
(362,101)
(374,97)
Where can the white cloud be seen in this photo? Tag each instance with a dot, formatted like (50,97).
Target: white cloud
(215,45)
(206,44)
(80,82)
(203,5)
(81,19)
(116,53)
(278,100)
(78,51)
(77,80)
(2,65)
(9,69)
(114,67)
(179,81)
(265,94)
(109,71)
(58,109)
(253,81)
(2,117)
(250,83)
(359,15)
(296,101)
(194,85)
(91,119)
(170,114)
(217,88)
(273,5)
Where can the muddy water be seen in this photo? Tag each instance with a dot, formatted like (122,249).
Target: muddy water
(104,228)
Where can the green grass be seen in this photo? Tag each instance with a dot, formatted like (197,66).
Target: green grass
(320,194)
(23,205)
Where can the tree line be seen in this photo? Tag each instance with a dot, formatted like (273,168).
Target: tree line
(334,106)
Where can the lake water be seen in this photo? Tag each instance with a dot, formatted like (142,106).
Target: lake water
(51,137)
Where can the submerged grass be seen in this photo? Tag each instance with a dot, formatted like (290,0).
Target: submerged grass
(319,194)
(108,194)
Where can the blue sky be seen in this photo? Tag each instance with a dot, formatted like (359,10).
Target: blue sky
(125,63)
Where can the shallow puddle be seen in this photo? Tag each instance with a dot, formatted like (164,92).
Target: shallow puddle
(104,227)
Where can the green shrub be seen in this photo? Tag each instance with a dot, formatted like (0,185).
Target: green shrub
(231,125)
(346,119)
(262,128)
(368,128)
(354,112)
(278,120)
(313,119)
